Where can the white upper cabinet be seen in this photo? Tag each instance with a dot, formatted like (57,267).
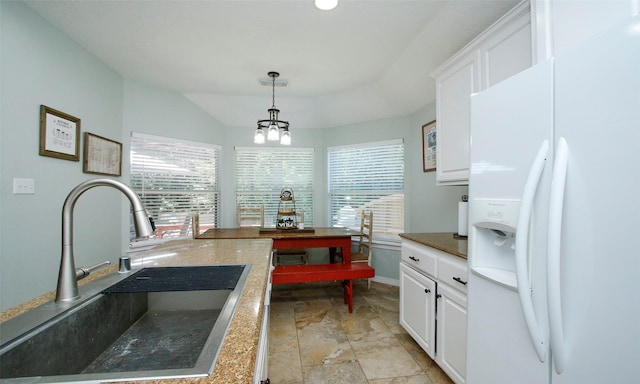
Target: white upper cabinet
(500,52)
(560,24)
(453,88)
(508,51)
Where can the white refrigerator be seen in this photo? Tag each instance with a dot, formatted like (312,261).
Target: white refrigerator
(554,219)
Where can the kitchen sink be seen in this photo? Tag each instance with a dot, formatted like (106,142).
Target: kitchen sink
(156,323)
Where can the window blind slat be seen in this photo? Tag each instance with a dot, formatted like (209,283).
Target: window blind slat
(367,176)
(175,178)
(262,173)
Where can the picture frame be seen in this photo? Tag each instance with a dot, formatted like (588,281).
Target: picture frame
(102,156)
(429,140)
(59,134)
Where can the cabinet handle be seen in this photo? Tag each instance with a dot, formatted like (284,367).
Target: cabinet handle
(414,259)
(459,280)
(427,290)
(438,296)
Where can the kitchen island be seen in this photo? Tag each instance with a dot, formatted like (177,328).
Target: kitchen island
(237,357)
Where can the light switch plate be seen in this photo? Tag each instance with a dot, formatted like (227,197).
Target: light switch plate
(24,186)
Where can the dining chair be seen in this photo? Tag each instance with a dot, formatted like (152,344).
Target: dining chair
(363,254)
(250,216)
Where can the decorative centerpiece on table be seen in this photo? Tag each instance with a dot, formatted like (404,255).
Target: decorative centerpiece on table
(287,218)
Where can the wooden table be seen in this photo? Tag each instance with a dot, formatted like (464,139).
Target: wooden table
(331,238)
(318,237)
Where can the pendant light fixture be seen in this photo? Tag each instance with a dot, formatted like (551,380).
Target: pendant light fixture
(273,125)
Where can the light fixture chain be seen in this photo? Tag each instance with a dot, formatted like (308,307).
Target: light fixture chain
(273,91)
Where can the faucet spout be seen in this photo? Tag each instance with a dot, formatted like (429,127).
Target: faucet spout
(67,289)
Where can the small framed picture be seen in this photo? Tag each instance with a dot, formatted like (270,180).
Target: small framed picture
(429,147)
(59,134)
(101,155)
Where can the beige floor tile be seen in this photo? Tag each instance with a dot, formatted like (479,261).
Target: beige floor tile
(374,337)
(285,368)
(418,379)
(391,361)
(437,375)
(322,341)
(334,374)
(315,340)
(282,309)
(363,319)
(283,335)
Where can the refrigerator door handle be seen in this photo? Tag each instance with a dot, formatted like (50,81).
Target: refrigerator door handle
(554,234)
(522,241)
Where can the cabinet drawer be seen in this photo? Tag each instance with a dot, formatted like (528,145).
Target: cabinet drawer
(420,258)
(453,271)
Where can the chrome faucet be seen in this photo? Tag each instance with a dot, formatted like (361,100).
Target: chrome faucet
(67,289)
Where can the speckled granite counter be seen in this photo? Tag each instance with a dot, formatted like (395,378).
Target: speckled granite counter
(443,241)
(236,360)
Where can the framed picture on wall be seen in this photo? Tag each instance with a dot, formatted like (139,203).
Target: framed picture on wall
(59,134)
(101,155)
(429,147)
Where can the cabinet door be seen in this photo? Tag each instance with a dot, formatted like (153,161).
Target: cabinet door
(508,52)
(452,333)
(453,91)
(417,307)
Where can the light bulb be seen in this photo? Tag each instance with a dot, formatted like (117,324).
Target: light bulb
(326,5)
(274,133)
(286,138)
(258,138)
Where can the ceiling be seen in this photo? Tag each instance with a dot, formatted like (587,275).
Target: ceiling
(363,61)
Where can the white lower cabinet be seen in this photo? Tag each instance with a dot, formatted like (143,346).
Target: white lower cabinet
(433,305)
(452,333)
(418,308)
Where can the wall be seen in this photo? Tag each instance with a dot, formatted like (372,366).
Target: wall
(40,65)
(435,208)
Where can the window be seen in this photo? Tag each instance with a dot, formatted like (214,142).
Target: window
(176,178)
(261,173)
(368,176)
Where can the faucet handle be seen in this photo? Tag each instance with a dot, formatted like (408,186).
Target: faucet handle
(81,273)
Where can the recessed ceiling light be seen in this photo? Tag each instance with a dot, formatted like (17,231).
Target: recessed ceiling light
(326,5)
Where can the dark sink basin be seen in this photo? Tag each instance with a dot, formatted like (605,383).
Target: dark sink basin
(156,323)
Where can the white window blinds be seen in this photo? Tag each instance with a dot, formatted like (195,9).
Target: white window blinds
(175,178)
(261,173)
(367,176)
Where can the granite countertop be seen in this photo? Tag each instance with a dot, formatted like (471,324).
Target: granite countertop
(236,359)
(444,241)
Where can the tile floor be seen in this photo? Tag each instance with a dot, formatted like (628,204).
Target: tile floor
(314,340)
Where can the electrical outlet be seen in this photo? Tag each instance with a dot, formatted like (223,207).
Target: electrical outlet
(24,186)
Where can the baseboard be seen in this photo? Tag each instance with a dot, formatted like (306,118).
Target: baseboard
(386,280)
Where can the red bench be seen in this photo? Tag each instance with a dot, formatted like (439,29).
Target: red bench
(286,274)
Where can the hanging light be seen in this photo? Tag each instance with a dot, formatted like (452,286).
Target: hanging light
(285,139)
(259,136)
(326,5)
(273,124)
